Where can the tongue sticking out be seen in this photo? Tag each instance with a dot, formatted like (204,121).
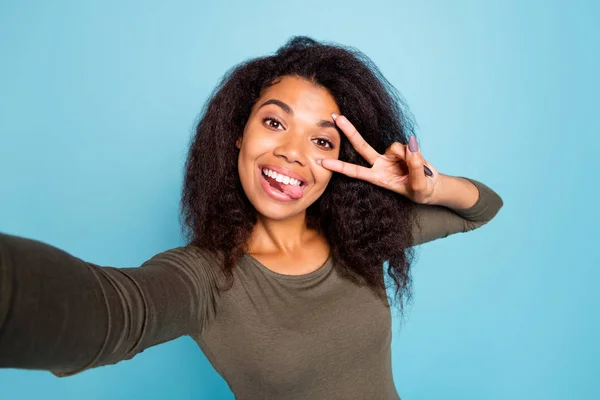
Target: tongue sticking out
(294,191)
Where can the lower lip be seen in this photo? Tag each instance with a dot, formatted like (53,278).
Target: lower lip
(271,191)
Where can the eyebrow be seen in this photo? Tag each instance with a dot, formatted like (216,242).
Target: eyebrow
(321,124)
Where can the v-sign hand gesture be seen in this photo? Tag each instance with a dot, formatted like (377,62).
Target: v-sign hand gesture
(400,169)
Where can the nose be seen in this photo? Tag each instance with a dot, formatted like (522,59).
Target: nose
(292,148)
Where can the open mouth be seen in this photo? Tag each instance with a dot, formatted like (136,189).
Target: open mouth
(281,187)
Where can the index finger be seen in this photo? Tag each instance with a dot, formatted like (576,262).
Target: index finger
(348,169)
(360,145)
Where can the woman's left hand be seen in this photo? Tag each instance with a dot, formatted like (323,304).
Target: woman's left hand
(399,169)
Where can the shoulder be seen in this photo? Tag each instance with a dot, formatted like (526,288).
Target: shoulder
(189,258)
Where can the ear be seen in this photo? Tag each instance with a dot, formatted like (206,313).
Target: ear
(238,143)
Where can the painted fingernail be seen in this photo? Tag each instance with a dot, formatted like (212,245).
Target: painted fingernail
(334,116)
(413,146)
(319,161)
(428,172)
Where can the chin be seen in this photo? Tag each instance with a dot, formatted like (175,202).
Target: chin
(277,213)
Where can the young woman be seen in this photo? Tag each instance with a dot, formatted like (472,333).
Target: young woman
(302,180)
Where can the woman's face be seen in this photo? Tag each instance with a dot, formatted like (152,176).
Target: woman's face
(289,129)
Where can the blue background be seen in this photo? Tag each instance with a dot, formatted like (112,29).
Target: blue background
(98,101)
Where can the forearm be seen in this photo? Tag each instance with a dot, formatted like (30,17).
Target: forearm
(53,312)
(462,213)
(455,193)
(64,315)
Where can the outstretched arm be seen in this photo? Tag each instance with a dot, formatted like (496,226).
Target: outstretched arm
(64,315)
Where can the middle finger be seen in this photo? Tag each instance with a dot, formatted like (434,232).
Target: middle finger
(360,145)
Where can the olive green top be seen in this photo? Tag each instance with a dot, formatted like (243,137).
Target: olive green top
(271,336)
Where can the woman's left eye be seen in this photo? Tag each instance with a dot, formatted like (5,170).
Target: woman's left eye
(324,143)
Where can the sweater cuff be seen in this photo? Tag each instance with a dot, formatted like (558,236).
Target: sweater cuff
(487,206)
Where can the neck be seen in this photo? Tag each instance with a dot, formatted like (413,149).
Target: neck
(280,236)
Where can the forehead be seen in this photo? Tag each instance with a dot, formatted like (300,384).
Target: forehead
(300,93)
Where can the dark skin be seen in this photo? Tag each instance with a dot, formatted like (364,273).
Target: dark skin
(293,137)
(297,132)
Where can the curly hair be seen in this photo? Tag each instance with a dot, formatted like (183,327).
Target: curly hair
(364,224)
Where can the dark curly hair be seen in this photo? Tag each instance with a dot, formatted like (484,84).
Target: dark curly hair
(364,224)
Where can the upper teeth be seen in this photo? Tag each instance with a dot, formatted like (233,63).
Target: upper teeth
(286,180)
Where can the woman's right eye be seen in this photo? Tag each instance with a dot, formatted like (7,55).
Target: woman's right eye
(272,123)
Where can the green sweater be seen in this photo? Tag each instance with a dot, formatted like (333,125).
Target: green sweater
(271,336)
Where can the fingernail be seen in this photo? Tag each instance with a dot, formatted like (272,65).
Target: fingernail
(319,161)
(413,146)
(428,172)
(334,116)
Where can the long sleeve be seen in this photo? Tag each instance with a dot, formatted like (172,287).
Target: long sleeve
(434,222)
(64,315)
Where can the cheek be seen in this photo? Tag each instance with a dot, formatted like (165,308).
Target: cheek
(255,145)
(323,177)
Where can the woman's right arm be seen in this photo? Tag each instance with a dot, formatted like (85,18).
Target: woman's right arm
(64,315)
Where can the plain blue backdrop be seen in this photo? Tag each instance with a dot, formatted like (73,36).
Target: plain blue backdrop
(98,101)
